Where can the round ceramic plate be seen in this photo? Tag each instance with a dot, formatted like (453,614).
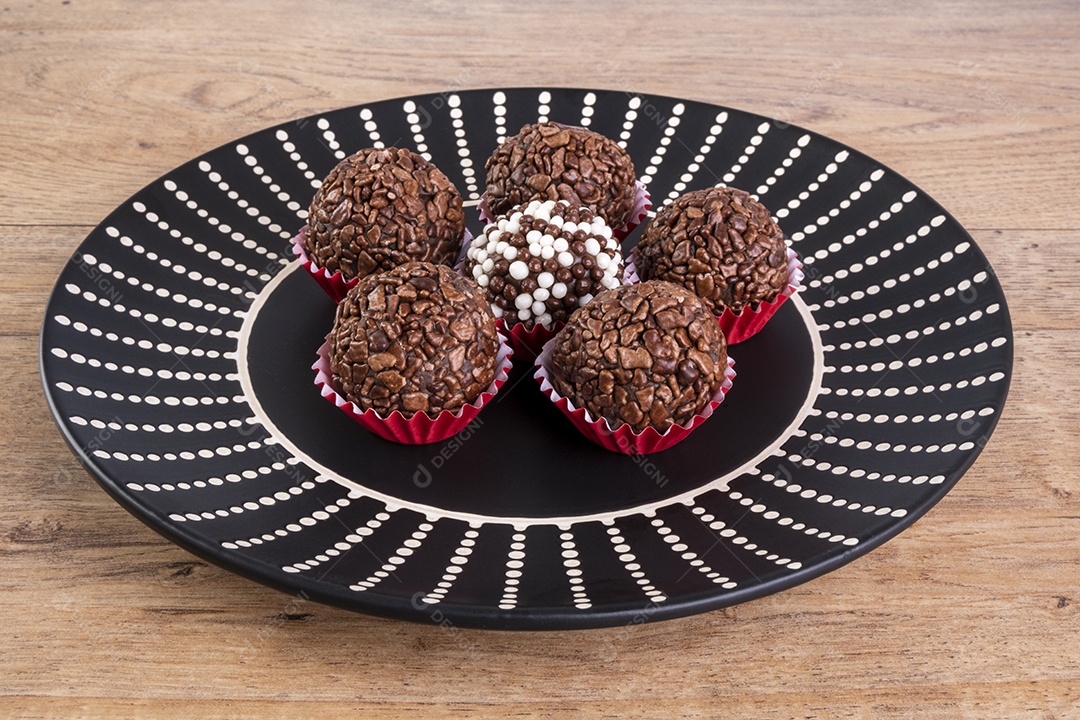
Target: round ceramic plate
(176,355)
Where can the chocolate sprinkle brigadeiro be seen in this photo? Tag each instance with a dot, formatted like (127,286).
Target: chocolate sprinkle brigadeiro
(720,243)
(419,338)
(647,355)
(382,207)
(552,161)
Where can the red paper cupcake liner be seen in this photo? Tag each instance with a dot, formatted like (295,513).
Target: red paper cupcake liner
(749,323)
(334,283)
(421,428)
(624,440)
(528,342)
(642,203)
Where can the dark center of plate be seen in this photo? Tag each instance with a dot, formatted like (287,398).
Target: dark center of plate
(520,457)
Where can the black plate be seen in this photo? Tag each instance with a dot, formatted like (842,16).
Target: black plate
(177,345)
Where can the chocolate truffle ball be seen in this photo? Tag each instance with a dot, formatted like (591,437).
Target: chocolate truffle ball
(380,208)
(719,242)
(552,161)
(647,355)
(419,338)
(541,262)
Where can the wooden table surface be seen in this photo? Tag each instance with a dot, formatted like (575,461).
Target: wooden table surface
(972,612)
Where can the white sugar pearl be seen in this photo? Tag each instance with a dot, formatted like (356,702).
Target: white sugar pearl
(540,295)
(523,301)
(542,213)
(532,207)
(547,253)
(494,235)
(611,243)
(556,221)
(479,255)
(603,261)
(496,310)
(538,307)
(592,246)
(533,236)
(524,314)
(519,271)
(546,240)
(500,247)
(482,281)
(566,259)
(479,241)
(560,245)
(610,281)
(545,280)
(570,228)
(558,291)
(488,264)
(477,271)
(515,224)
(545,320)
(510,252)
(584,299)
(603,231)
(501,224)
(535,248)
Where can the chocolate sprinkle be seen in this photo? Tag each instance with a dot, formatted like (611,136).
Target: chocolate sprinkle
(419,338)
(720,243)
(382,207)
(647,355)
(552,161)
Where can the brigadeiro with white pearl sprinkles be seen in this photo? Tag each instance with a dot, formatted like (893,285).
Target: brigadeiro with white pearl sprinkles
(540,263)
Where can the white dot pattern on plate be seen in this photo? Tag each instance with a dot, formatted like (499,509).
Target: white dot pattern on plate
(412,117)
(748,151)
(572,566)
(542,109)
(629,119)
(514,563)
(160,392)
(249,209)
(330,138)
(289,147)
(455,568)
(368,118)
(201,248)
(397,559)
(252,162)
(457,120)
(793,154)
(345,544)
(812,188)
(630,562)
(658,154)
(233,477)
(587,109)
(687,178)
(498,108)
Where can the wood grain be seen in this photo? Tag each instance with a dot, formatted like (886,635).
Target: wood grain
(971,613)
